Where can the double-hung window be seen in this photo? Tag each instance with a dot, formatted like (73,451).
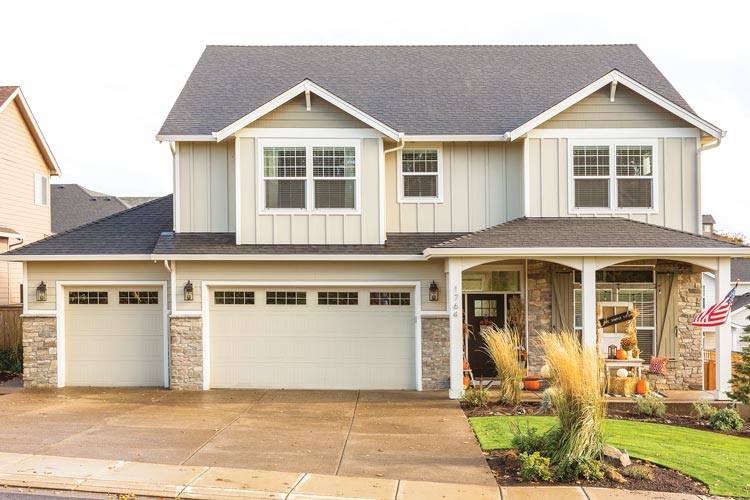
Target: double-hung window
(310,175)
(612,176)
(420,175)
(41,189)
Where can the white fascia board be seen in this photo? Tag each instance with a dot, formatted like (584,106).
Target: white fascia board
(457,138)
(15,236)
(65,258)
(35,130)
(616,76)
(185,138)
(586,252)
(305,86)
(291,257)
(611,133)
(310,133)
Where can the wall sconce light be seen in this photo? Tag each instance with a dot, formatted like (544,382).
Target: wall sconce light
(188,291)
(41,292)
(434,292)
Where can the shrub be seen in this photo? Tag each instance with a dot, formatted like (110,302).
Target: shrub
(528,440)
(12,360)
(740,380)
(502,347)
(577,398)
(638,472)
(726,419)
(534,467)
(704,410)
(572,469)
(477,397)
(548,404)
(650,405)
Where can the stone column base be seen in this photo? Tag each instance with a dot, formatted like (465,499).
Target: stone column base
(436,348)
(39,351)
(186,353)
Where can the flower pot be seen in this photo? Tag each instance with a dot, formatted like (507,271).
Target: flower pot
(532,383)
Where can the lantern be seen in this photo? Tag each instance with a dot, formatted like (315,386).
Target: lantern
(41,292)
(434,292)
(612,351)
(188,291)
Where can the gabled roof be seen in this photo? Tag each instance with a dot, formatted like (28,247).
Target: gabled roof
(73,205)
(708,219)
(8,95)
(415,90)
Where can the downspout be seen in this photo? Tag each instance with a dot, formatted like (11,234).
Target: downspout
(400,145)
(14,245)
(712,145)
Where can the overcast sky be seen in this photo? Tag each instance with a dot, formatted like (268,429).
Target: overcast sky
(101,77)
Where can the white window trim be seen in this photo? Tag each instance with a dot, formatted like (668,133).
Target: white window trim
(613,177)
(400,175)
(309,179)
(39,195)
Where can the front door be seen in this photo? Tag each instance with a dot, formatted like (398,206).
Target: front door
(483,309)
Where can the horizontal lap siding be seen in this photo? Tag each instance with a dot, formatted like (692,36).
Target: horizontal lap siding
(294,114)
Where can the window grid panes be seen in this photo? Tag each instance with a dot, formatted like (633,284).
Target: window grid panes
(88,297)
(138,297)
(240,297)
(591,161)
(602,295)
(485,308)
(420,170)
(643,300)
(285,161)
(390,298)
(286,298)
(338,298)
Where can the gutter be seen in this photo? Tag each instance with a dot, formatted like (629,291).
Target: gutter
(712,145)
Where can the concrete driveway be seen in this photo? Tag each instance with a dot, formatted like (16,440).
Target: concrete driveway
(398,435)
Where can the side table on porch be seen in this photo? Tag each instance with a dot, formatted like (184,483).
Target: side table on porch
(629,364)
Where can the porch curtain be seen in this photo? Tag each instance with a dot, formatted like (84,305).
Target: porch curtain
(666,316)
(562,301)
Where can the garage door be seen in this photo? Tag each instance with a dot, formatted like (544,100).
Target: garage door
(114,336)
(312,338)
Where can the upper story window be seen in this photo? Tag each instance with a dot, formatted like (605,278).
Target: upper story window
(41,189)
(304,175)
(420,175)
(612,176)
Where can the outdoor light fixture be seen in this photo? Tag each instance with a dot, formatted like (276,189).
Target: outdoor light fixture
(41,292)
(188,291)
(434,295)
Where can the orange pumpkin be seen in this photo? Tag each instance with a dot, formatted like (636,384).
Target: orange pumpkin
(621,354)
(642,386)
(466,381)
(532,384)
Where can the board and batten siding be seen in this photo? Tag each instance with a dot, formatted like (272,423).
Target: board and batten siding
(100,271)
(629,110)
(206,186)
(311,271)
(677,183)
(482,186)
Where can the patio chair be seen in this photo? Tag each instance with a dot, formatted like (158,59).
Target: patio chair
(657,371)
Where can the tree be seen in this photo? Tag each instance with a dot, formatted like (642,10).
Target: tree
(740,380)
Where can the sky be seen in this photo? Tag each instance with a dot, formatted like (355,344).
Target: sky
(100,77)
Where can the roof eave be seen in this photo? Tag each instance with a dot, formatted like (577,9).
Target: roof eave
(587,252)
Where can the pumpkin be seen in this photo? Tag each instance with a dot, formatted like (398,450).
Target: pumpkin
(642,386)
(621,354)
(532,384)
(466,381)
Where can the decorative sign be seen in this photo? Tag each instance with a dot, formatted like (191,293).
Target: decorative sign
(616,318)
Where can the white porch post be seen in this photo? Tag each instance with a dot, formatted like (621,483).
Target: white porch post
(455,306)
(588,300)
(723,333)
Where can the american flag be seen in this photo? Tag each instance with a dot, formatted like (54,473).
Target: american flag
(717,314)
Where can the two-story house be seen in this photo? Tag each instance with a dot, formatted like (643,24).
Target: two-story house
(339,214)
(26,165)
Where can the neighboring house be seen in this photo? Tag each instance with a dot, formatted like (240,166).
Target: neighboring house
(708,224)
(740,274)
(339,213)
(26,165)
(73,205)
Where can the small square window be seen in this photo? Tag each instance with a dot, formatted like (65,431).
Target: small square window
(420,174)
(88,297)
(390,298)
(338,298)
(139,297)
(286,298)
(240,297)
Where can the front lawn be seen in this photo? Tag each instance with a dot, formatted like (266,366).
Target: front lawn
(719,461)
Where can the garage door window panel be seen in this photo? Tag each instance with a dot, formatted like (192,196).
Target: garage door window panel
(338,298)
(88,298)
(139,297)
(240,297)
(390,298)
(286,298)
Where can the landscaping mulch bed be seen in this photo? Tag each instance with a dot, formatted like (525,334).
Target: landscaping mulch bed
(504,465)
(5,376)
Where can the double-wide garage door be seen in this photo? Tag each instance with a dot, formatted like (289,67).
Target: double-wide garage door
(114,336)
(312,338)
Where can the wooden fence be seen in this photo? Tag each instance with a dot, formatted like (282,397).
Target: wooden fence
(10,327)
(709,368)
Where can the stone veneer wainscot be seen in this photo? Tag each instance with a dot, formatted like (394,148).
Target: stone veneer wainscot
(39,351)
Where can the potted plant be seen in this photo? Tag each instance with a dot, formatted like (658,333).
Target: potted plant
(628,343)
(532,383)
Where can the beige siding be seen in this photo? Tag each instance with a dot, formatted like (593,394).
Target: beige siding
(197,272)
(294,114)
(629,110)
(482,186)
(52,272)
(281,229)
(206,184)
(677,183)
(20,159)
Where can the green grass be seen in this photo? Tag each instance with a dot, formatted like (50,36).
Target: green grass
(720,461)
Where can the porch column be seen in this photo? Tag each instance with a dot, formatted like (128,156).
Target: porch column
(455,306)
(588,300)
(723,333)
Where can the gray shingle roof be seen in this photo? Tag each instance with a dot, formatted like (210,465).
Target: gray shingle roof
(588,232)
(741,301)
(129,232)
(740,270)
(412,89)
(708,219)
(73,205)
(224,244)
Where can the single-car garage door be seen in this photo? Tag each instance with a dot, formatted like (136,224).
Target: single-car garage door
(114,336)
(312,338)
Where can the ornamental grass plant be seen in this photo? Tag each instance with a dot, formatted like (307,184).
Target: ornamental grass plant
(503,347)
